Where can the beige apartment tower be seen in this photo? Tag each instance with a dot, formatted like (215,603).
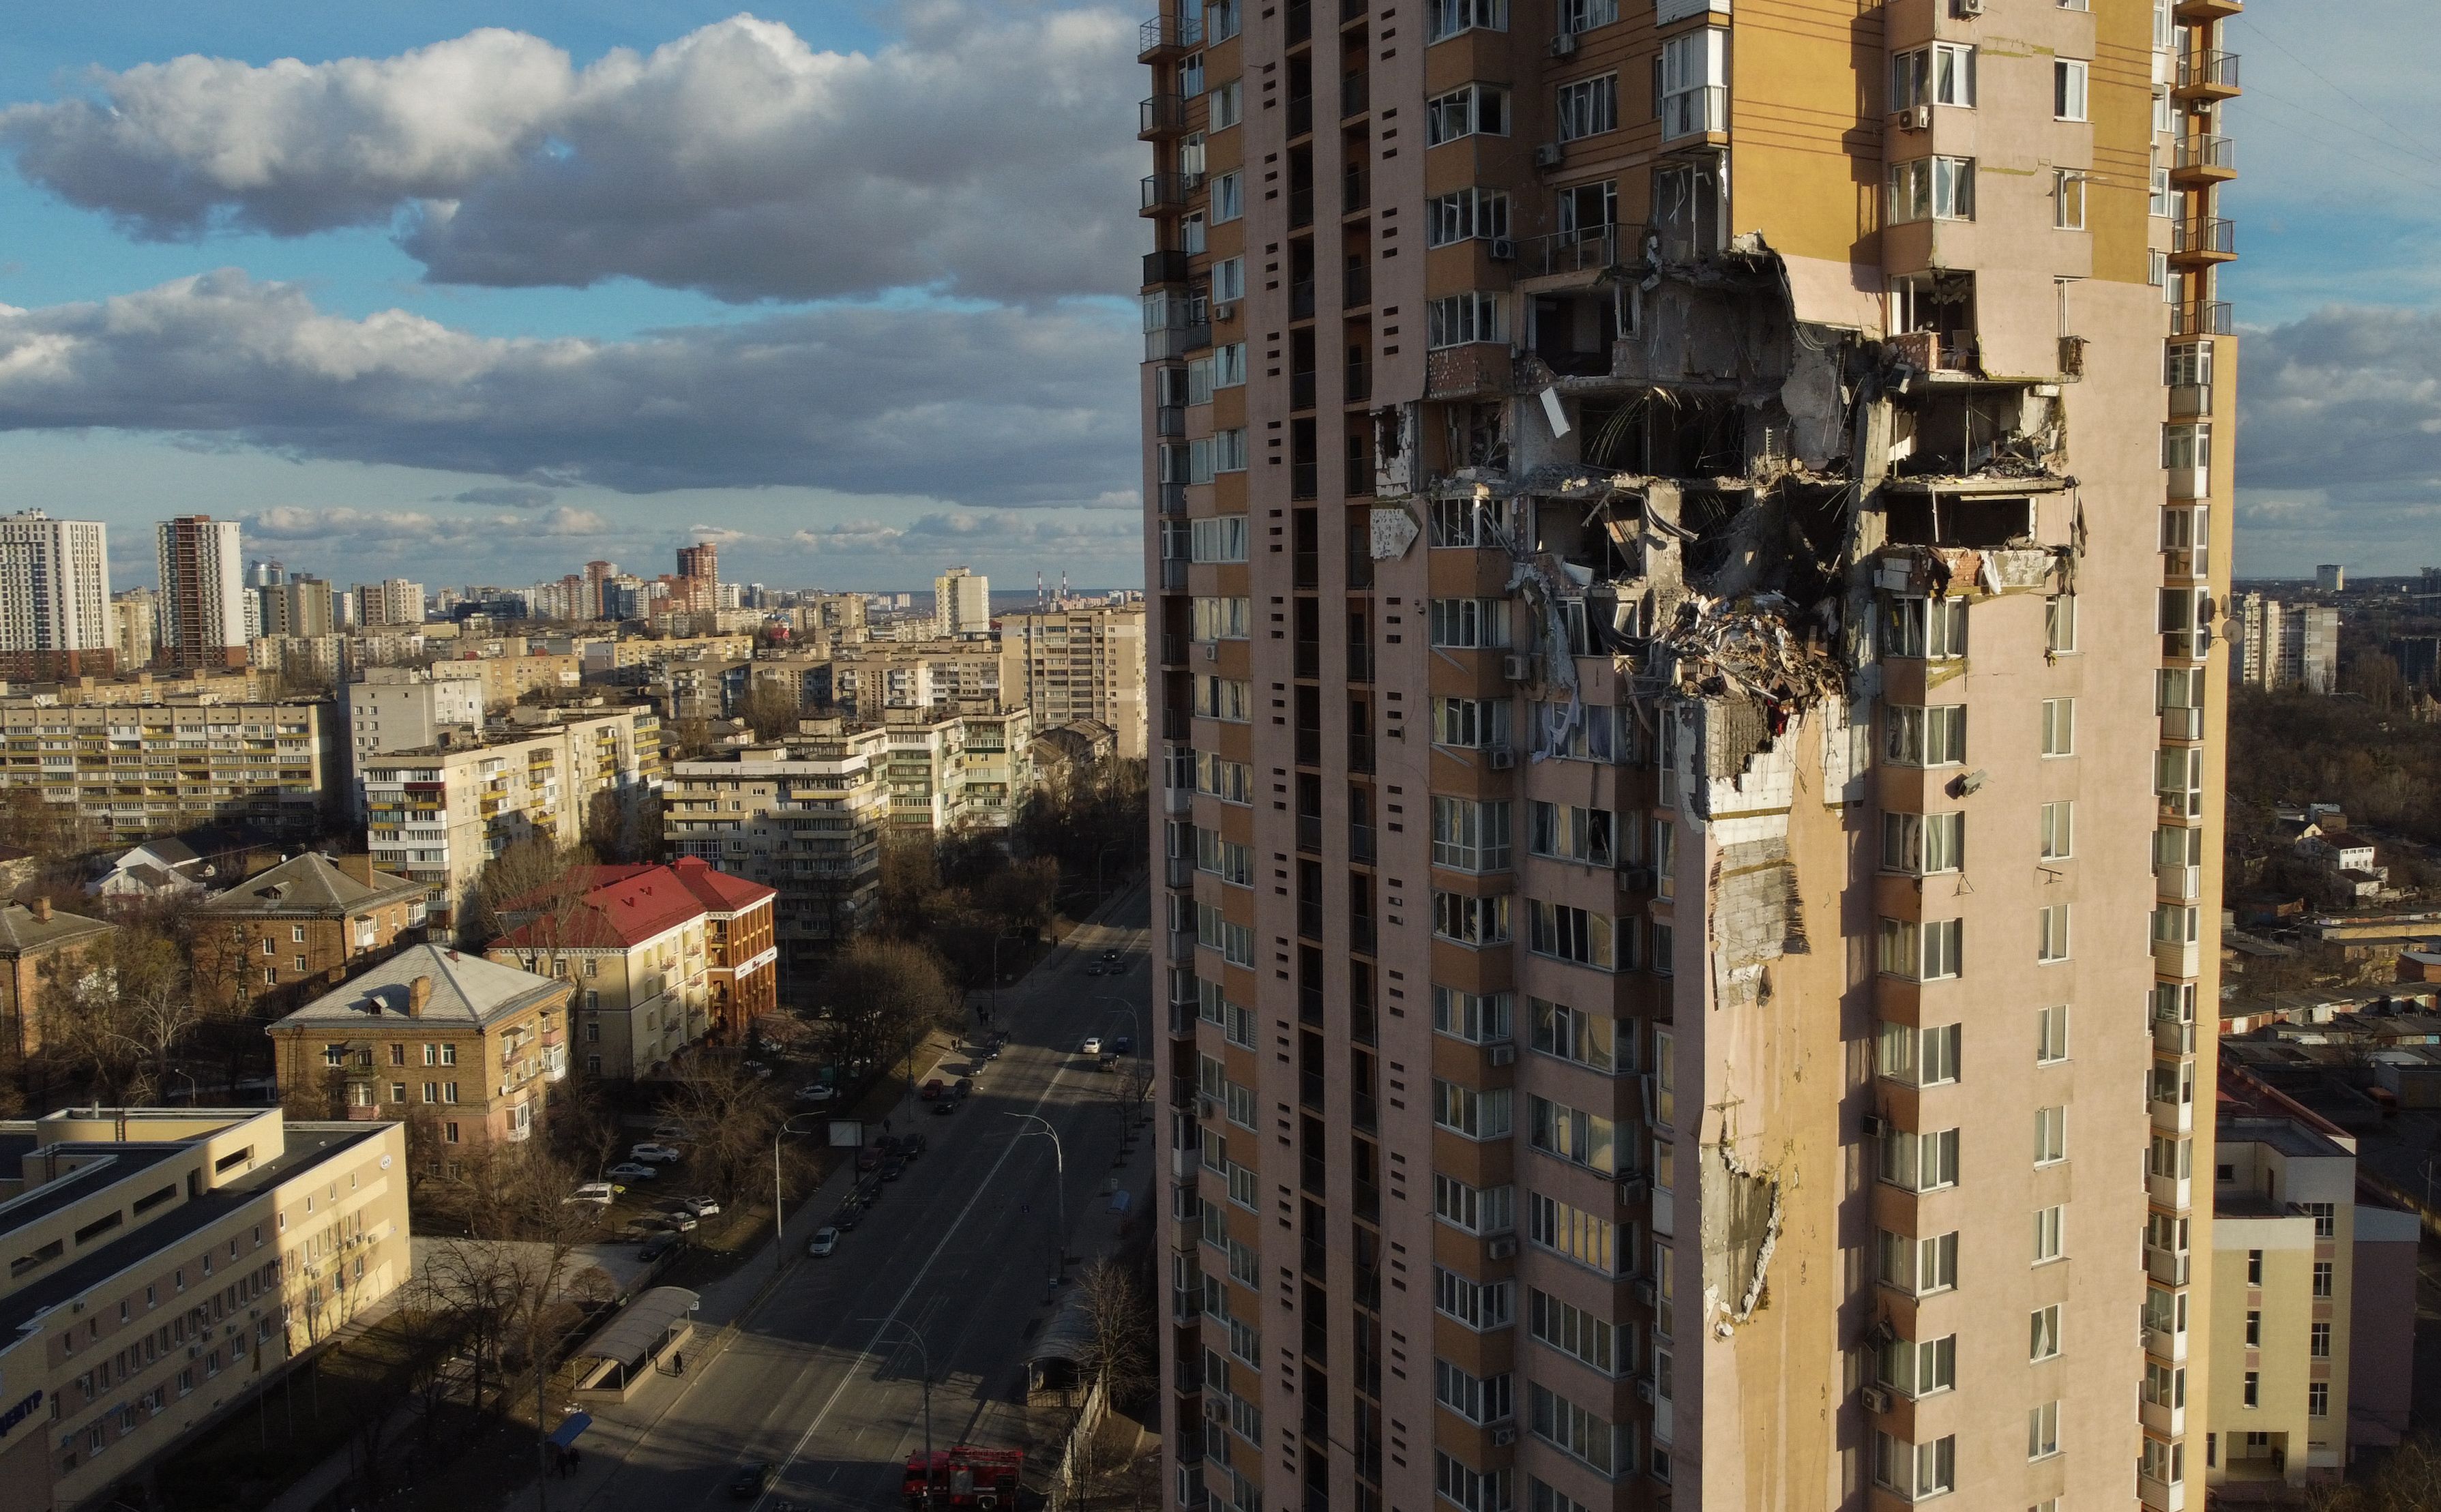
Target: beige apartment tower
(1685,570)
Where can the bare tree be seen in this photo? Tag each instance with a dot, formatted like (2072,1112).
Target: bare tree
(885,995)
(534,874)
(771,707)
(2408,1480)
(127,1009)
(1115,1356)
(730,1116)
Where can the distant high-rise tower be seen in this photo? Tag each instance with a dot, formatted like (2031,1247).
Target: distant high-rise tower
(961,603)
(54,597)
(203,600)
(2330,577)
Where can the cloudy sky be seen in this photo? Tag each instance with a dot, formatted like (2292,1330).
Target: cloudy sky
(475,293)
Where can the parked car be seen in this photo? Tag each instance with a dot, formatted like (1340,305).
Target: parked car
(1122,1045)
(844,1218)
(752,1480)
(702,1207)
(816,1093)
(1111,954)
(656,1154)
(659,1244)
(825,1240)
(1093,968)
(965,1089)
(669,1129)
(933,1088)
(600,1193)
(756,1068)
(678,1218)
(944,1106)
(893,1168)
(908,1145)
(869,1159)
(632,1170)
(1093,1045)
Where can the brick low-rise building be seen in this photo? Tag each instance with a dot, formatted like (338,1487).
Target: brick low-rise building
(35,943)
(138,770)
(463,1048)
(281,934)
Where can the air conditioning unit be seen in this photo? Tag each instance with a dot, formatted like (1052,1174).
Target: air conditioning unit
(1644,1388)
(1635,1190)
(1875,1399)
(1913,119)
(1636,878)
(1518,667)
(1565,44)
(1504,1248)
(1550,154)
(1966,8)
(1503,1437)
(1642,1291)
(1873,1127)
(1502,249)
(1501,1054)
(194,1351)
(1223,310)
(1500,758)
(1206,1107)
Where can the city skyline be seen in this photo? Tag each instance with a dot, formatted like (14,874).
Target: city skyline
(297,256)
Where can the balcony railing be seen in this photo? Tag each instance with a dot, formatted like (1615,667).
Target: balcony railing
(1360,936)
(1162,35)
(1173,498)
(1300,22)
(1590,249)
(1360,843)
(2204,156)
(1173,342)
(1160,115)
(1301,209)
(2204,237)
(1360,382)
(1173,574)
(1355,189)
(1167,267)
(1309,833)
(2212,72)
(1169,191)
(1356,285)
(1310,920)
(1301,299)
(2200,317)
(1306,656)
(1169,419)
(1359,663)
(1304,480)
(1301,390)
(1352,95)
(1300,114)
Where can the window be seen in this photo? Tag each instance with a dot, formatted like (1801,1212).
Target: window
(2043,1333)
(1572,833)
(1588,107)
(1573,934)
(2253,1397)
(2186,447)
(1587,733)
(2067,198)
(1468,1488)
(1476,1018)
(1574,1332)
(1919,1057)
(1923,844)
(2052,933)
(1475,110)
(1477,1209)
(2042,1432)
(1227,105)
(1218,620)
(1693,95)
(1470,723)
(2187,364)
(1463,318)
(1573,1035)
(1228,860)
(1213,931)
(2059,726)
(296,933)
(1922,952)
(1574,1135)
(1575,1431)
(2161,201)
(2255,1268)
(2318,1398)
(1932,188)
(1915,735)
(1470,835)
(1585,16)
(1470,622)
(1915,1470)
(1579,1235)
(2068,88)
(1221,538)
(1470,921)
(2060,830)
(2059,624)
(1476,1114)
(1942,74)
(1920,1163)
(2050,1035)
(1227,202)
(1450,17)
(1478,1304)
(1665,879)
(2050,1135)
(1919,1267)
(2049,1226)
(1229,278)
(1918,1367)
(1223,698)
(2318,1347)
(1476,1398)
(1465,215)
(1924,628)
(1229,366)
(2326,1218)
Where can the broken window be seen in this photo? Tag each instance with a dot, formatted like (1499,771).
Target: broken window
(1573,332)
(1588,107)
(1464,215)
(1923,844)
(1466,623)
(1450,17)
(1460,319)
(1572,833)
(1471,835)
(1694,83)
(1958,520)
(1589,209)
(1472,110)
(1470,723)
(1931,188)
(1929,629)
(1917,736)
(1939,303)
(1573,1035)
(1689,213)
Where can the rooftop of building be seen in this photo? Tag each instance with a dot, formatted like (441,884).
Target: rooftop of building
(463,991)
(304,1147)
(313,884)
(621,906)
(41,927)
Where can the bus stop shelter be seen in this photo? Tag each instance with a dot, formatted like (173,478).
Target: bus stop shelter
(627,1351)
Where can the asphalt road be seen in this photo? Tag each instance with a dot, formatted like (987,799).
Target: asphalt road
(820,1380)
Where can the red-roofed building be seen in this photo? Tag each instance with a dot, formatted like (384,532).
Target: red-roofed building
(662,957)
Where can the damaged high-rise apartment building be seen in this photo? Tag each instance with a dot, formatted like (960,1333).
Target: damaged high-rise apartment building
(1686,566)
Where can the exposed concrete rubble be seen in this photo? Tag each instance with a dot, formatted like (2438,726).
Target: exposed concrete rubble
(1741,1219)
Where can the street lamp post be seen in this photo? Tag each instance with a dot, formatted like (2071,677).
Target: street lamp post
(1135,1032)
(926,1356)
(779,1215)
(1058,1188)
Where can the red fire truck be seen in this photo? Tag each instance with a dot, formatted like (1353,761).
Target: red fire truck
(968,1475)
